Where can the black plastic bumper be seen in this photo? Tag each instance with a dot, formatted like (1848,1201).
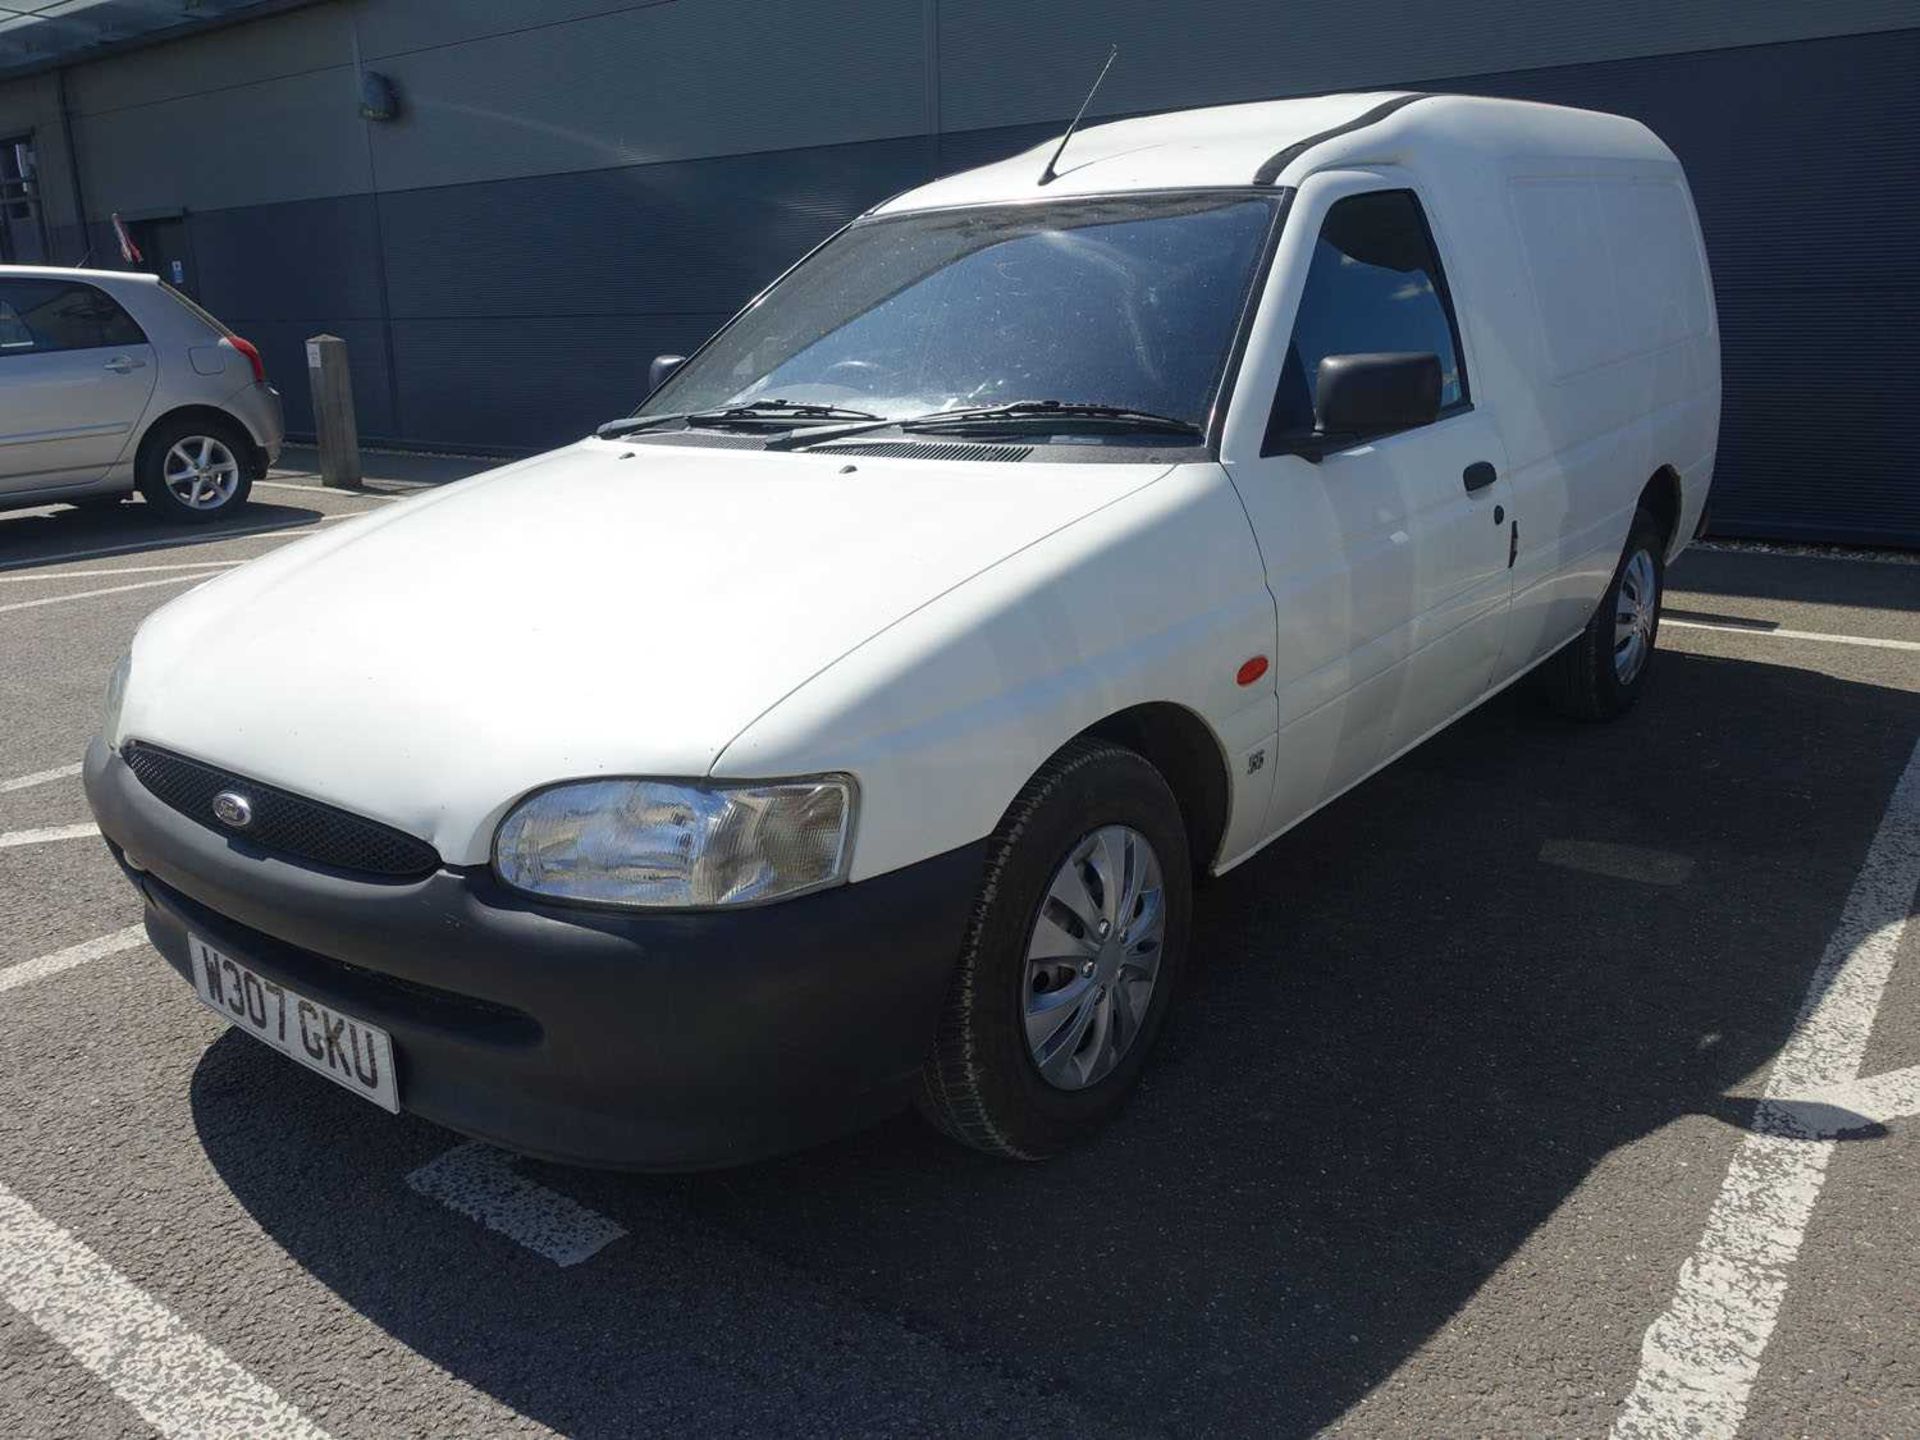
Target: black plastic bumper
(650,1041)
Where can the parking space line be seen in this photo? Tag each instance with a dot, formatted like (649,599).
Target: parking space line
(39,777)
(46,835)
(1699,1359)
(96,594)
(100,552)
(328,490)
(1768,631)
(480,1182)
(182,1384)
(28,971)
(44,578)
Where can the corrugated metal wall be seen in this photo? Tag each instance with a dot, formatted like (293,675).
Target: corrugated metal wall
(576,185)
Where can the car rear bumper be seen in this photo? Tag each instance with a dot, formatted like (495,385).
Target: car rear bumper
(258,408)
(646,1041)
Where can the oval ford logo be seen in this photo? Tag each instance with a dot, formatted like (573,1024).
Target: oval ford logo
(233,809)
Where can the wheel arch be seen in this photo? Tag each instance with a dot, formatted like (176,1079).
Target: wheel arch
(209,415)
(1661,498)
(1186,752)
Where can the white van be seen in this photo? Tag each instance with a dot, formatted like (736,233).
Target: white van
(849,725)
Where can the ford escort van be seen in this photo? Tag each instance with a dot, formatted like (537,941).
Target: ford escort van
(847,728)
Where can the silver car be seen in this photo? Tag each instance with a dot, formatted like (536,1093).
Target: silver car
(112,381)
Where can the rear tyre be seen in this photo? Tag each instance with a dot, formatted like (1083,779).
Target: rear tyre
(1070,961)
(1604,670)
(194,470)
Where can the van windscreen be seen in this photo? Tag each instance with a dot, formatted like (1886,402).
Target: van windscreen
(1127,301)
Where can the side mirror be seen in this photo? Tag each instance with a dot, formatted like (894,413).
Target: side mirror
(662,367)
(1373,394)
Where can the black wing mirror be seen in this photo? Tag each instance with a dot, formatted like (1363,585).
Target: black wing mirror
(662,367)
(1355,396)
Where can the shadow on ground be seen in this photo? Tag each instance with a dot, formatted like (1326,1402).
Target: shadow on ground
(1411,1040)
(57,535)
(1799,579)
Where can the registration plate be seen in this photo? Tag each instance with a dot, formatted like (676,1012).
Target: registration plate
(348,1052)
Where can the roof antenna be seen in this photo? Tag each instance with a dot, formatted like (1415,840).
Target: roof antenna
(1048,174)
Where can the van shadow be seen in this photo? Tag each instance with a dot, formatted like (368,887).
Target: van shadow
(1798,579)
(1409,1043)
(58,535)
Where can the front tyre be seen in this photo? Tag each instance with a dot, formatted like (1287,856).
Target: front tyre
(1072,956)
(191,470)
(1604,670)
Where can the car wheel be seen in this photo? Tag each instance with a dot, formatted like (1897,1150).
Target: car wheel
(1603,672)
(191,470)
(1071,958)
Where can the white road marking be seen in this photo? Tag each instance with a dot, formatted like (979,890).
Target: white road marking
(1769,632)
(1620,862)
(99,552)
(183,1386)
(42,579)
(11,838)
(28,971)
(96,594)
(1699,1359)
(326,490)
(480,1182)
(39,777)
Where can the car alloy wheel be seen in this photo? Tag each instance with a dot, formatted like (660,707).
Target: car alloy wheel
(1094,957)
(201,472)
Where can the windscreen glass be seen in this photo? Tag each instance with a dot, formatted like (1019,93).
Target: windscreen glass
(1130,301)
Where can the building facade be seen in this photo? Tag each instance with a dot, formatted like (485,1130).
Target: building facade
(507,207)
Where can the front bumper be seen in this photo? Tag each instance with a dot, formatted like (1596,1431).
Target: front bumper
(645,1041)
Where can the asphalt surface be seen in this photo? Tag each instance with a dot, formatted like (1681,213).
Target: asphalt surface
(1430,1135)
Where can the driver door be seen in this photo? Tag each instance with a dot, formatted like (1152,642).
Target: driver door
(1388,559)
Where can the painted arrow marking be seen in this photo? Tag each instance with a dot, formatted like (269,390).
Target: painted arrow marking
(481,1183)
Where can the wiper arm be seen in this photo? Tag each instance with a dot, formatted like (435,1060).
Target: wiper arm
(632,425)
(776,410)
(1117,416)
(759,410)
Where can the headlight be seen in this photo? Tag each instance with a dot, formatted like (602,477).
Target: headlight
(116,697)
(677,844)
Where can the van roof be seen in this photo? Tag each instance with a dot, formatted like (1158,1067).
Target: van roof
(1280,142)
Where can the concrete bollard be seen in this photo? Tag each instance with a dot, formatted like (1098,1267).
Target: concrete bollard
(333,423)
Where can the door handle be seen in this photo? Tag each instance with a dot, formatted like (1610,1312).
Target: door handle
(1478,475)
(121,364)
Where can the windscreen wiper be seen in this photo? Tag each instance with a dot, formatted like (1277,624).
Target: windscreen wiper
(775,410)
(1116,417)
(758,411)
(1119,415)
(632,425)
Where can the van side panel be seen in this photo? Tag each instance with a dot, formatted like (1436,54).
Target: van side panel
(1617,314)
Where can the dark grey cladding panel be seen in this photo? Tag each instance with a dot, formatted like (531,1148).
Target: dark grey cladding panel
(1801,159)
(283,347)
(530,382)
(688,237)
(966,149)
(295,261)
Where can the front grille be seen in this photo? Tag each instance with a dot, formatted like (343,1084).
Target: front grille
(929,450)
(283,823)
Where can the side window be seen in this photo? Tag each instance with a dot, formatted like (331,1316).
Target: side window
(48,315)
(14,335)
(1375,284)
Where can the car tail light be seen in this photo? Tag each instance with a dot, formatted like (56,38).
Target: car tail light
(246,348)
